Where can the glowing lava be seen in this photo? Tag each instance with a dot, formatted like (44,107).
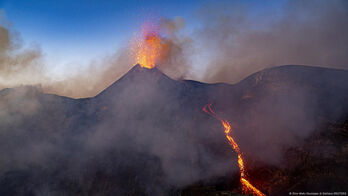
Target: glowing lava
(149,47)
(247,187)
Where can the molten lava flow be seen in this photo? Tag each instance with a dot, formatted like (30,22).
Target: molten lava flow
(247,187)
(148,47)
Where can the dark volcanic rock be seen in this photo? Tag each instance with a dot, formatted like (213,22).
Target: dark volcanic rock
(146,134)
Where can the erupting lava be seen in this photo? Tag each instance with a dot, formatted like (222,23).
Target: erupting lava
(247,187)
(149,47)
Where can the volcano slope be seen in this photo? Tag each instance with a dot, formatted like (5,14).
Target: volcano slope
(146,134)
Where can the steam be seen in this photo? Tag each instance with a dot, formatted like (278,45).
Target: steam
(241,39)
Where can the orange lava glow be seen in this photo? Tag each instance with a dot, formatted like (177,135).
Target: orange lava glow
(148,47)
(247,187)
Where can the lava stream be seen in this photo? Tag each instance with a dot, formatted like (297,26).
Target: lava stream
(247,187)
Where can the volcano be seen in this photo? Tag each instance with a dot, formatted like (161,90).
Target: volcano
(146,134)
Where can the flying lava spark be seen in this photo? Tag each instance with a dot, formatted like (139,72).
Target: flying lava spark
(247,187)
(148,47)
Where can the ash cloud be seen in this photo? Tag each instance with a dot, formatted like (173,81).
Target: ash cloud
(122,141)
(231,40)
(125,140)
(18,65)
(102,72)
(22,64)
(25,65)
(147,134)
(94,78)
(177,63)
(240,38)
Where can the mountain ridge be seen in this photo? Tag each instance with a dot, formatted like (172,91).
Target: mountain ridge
(146,134)
(136,69)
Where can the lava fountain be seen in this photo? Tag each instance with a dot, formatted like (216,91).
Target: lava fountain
(148,47)
(247,187)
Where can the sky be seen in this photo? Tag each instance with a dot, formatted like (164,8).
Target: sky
(80,30)
(77,48)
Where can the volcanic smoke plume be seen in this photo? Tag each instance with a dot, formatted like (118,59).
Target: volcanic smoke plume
(18,65)
(147,134)
(229,42)
(239,41)
(144,133)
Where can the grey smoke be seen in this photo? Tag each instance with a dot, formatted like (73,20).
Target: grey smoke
(18,65)
(240,39)
(232,40)
(39,136)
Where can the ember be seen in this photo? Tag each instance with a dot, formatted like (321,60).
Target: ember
(149,47)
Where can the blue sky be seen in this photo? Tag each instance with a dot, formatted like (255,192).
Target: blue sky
(79,30)
(226,40)
(71,33)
